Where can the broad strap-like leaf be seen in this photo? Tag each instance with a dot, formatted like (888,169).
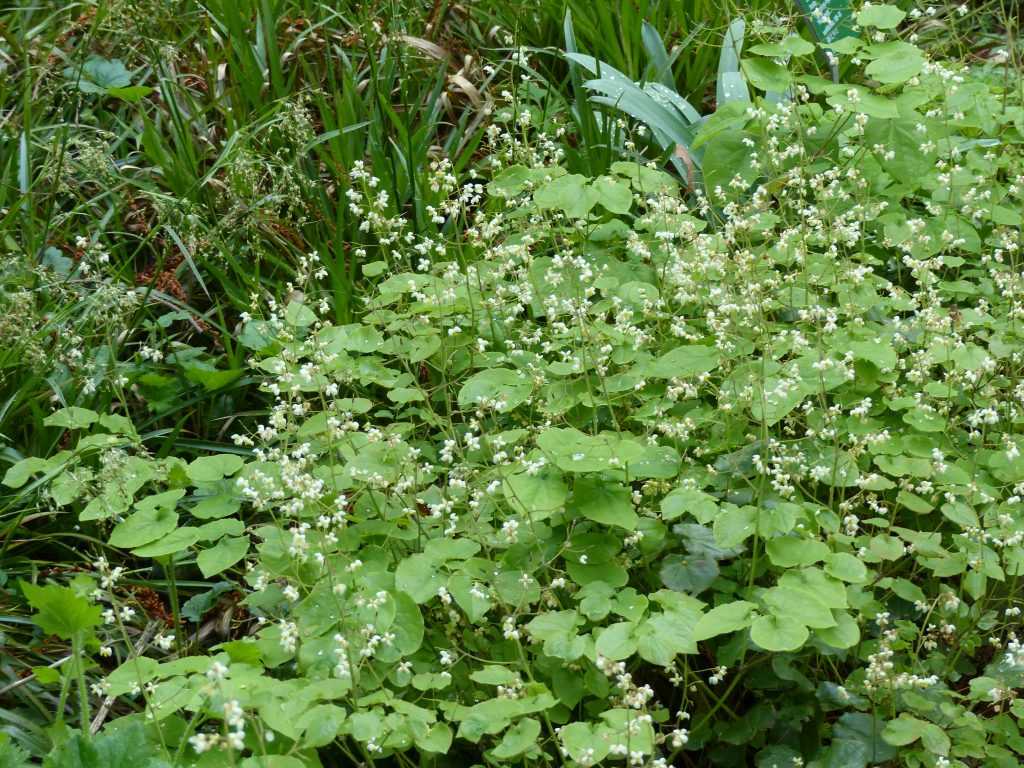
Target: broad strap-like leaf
(731,85)
(660,67)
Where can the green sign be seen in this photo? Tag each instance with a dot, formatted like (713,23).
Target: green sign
(831,20)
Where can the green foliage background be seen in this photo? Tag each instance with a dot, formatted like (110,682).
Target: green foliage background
(510,384)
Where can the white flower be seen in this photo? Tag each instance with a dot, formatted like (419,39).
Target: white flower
(289,635)
(203,742)
(217,671)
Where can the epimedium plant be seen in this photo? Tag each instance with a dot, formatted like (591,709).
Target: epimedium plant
(617,475)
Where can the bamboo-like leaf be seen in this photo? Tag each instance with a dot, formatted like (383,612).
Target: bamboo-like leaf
(662,94)
(660,69)
(731,85)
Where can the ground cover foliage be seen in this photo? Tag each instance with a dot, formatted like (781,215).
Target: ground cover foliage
(509,409)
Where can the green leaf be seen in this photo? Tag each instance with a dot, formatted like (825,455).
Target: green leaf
(299,315)
(647,181)
(613,194)
(726,157)
(778,755)
(375,268)
(603,502)
(793,45)
(557,630)
(773,633)
(518,178)
(617,642)
(436,739)
(846,567)
(160,501)
(209,469)
(18,474)
(814,584)
(690,501)
(226,553)
(98,75)
(538,495)
(836,468)
(907,590)
(867,730)
(256,334)
(657,461)
(734,525)
(881,353)
(914,503)
(423,347)
(321,724)
(846,753)
(66,488)
(685,361)
(493,674)
(143,527)
(176,541)
(121,746)
(211,378)
(273,761)
(44,676)
(766,75)
(133,672)
(688,573)
(664,635)
(595,600)
(935,739)
(501,388)
(880,16)
(118,424)
(216,506)
(114,500)
(12,755)
(517,739)
(629,604)
(570,194)
(845,634)
(799,606)
(462,585)
(354,337)
(903,730)
(729,617)
(700,541)
(859,99)
(895,68)
(418,576)
(60,611)
(132,93)
(407,626)
(622,726)
(961,514)
(403,395)
(908,165)
(582,743)
(574,451)
(791,551)
(198,605)
(730,85)
(904,466)
(71,418)
(215,529)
